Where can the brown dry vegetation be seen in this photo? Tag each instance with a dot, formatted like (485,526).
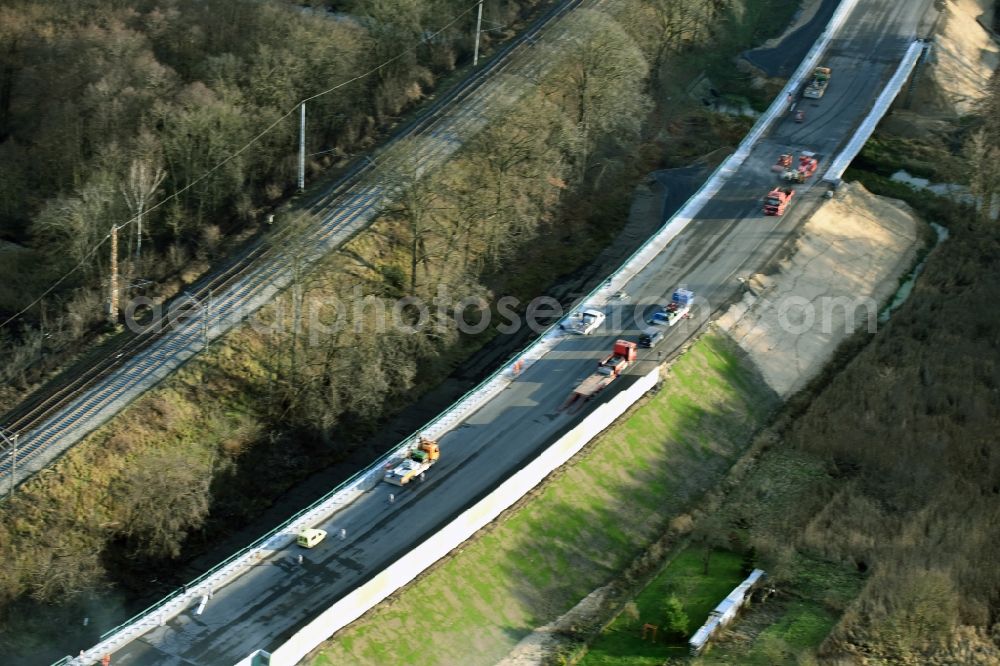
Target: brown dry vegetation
(101,100)
(909,432)
(889,463)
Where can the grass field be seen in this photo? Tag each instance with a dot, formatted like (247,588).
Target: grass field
(791,625)
(622,644)
(583,526)
(782,630)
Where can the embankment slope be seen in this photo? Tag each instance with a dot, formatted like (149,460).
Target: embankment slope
(965,54)
(846,262)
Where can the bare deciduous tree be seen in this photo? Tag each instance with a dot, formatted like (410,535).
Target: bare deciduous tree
(162,496)
(601,75)
(144,178)
(983,154)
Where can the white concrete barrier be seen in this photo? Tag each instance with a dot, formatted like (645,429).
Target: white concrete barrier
(408,567)
(881,107)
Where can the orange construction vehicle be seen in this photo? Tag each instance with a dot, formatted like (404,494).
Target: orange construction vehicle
(783,164)
(777,200)
(417,460)
(807,167)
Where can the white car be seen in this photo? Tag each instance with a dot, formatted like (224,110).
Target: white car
(584,322)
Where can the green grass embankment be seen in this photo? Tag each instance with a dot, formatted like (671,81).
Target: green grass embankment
(791,625)
(580,529)
(622,643)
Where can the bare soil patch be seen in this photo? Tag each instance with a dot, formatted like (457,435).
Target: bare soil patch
(845,265)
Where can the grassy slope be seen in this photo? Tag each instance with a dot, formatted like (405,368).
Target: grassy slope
(622,645)
(583,526)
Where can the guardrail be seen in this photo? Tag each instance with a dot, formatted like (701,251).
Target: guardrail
(418,559)
(711,186)
(221,574)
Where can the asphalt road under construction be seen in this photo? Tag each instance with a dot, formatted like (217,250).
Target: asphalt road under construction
(729,238)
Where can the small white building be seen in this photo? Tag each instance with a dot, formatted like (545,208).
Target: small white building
(724,613)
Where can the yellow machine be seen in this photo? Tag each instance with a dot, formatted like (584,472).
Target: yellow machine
(310,537)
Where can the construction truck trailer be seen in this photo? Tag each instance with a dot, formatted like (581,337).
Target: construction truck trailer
(608,370)
(417,461)
(818,85)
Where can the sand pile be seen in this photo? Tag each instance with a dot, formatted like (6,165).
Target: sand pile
(965,54)
(845,266)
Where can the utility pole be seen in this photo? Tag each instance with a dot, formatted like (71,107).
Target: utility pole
(479,25)
(113,310)
(205,305)
(302,147)
(138,237)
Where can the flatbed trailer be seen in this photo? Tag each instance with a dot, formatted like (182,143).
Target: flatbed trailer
(610,367)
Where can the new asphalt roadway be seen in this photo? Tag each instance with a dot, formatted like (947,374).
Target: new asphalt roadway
(729,238)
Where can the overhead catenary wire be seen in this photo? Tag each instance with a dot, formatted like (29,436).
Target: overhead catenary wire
(249,144)
(290,229)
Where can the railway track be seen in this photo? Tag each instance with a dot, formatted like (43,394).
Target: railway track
(72,404)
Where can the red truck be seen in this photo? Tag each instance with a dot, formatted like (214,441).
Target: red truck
(622,356)
(783,164)
(807,167)
(777,200)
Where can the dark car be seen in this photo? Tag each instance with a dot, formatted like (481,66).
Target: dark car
(650,337)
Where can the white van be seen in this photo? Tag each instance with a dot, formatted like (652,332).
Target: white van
(309,538)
